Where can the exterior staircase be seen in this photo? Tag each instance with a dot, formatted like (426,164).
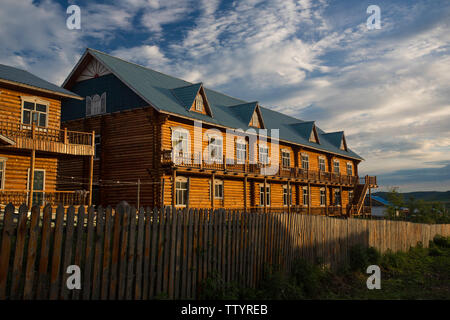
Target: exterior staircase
(359,195)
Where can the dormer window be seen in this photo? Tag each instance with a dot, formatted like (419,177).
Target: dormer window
(199,103)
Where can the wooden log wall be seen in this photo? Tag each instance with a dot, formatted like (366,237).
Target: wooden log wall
(147,254)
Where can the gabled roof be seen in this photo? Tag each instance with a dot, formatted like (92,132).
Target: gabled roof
(157,89)
(187,94)
(307,129)
(245,111)
(22,78)
(337,139)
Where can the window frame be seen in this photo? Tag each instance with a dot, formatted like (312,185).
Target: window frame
(97,147)
(285,158)
(305,156)
(338,171)
(35,101)
(349,166)
(199,106)
(218,182)
(261,194)
(241,142)
(176,153)
(184,191)
(336,203)
(260,154)
(323,196)
(287,195)
(321,162)
(303,196)
(211,146)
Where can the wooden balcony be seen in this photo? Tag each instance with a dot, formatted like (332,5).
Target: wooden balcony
(42,198)
(322,210)
(193,162)
(20,136)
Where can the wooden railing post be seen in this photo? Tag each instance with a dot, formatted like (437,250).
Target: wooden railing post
(65,136)
(91,169)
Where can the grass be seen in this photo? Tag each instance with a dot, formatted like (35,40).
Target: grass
(420,273)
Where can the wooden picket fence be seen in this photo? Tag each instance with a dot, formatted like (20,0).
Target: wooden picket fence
(162,253)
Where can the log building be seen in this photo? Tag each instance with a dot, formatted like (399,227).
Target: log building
(163,141)
(32,141)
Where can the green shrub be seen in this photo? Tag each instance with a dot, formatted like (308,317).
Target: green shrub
(307,277)
(373,256)
(443,242)
(215,288)
(359,259)
(277,286)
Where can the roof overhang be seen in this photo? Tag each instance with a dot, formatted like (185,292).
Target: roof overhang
(26,86)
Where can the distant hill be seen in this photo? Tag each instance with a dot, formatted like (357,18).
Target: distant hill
(443,196)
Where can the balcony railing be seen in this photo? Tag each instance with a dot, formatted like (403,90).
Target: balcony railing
(195,161)
(322,210)
(26,136)
(42,198)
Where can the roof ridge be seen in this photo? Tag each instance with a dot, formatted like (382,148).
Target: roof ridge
(137,65)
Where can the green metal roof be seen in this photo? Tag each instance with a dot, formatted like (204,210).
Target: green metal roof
(169,94)
(22,77)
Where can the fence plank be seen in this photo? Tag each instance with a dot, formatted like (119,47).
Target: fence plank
(68,250)
(19,252)
(123,251)
(43,278)
(131,255)
(56,255)
(8,234)
(154,248)
(89,254)
(118,214)
(79,245)
(99,243)
(28,291)
(106,261)
(148,270)
(139,255)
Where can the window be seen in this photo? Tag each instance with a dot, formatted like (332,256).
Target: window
(215,149)
(218,189)
(350,196)
(199,103)
(181,191)
(98,147)
(322,164)
(305,196)
(305,162)
(263,154)
(336,166)
(261,195)
(286,196)
(323,197)
(349,169)
(38,186)
(96,104)
(337,197)
(241,151)
(285,158)
(35,111)
(2,173)
(180,143)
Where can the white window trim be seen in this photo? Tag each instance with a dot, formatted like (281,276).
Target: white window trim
(241,141)
(35,100)
(289,195)
(184,130)
(264,146)
(219,182)
(303,199)
(180,179)
(339,166)
(97,157)
(324,162)
(282,158)
(351,164)
(217,136)
(261,185)
(320,196)
(301,160)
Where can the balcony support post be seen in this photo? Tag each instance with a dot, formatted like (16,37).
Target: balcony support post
(326,199)
(289,196)
(340,200)
(245,193)
(91,169)
(32,162)
(309,198)
(174,177)
(213,178)
(265,195)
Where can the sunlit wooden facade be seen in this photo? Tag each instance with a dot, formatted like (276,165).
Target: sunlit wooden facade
(31,140)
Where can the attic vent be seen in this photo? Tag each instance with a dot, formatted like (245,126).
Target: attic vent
(313,138)
(255,120)
(199,103)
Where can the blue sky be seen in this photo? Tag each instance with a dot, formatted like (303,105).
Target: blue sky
(388,89)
